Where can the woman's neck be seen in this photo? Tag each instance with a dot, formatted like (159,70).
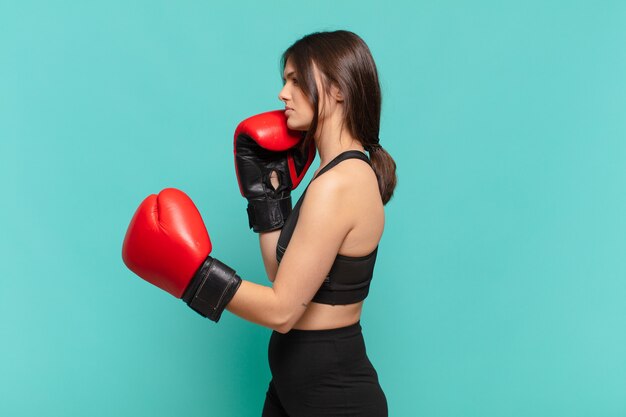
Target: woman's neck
(332,142)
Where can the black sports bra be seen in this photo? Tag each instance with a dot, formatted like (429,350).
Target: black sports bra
(349,278)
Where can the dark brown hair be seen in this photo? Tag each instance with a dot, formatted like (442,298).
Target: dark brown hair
(344,60)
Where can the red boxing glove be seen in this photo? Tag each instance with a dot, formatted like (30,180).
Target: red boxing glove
(167,245)
(264,144)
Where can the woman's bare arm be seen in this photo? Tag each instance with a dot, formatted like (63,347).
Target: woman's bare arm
(268,242)
(323,223)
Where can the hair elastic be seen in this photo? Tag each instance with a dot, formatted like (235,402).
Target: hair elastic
(373,147)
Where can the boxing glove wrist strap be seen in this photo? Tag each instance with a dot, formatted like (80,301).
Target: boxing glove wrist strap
(211,289)
(265,215)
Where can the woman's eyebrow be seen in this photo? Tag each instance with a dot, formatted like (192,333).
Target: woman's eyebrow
(289,74)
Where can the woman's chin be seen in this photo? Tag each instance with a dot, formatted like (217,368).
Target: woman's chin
(295,126)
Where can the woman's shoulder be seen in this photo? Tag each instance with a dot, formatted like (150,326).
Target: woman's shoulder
(345,201)
(346,180)
(347,172)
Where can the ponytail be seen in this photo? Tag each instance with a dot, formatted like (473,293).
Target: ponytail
(385,168)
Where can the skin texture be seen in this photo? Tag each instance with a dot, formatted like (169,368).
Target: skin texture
(341,213)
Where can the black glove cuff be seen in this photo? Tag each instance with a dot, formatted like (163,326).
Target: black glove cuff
(268,214)
(211,289)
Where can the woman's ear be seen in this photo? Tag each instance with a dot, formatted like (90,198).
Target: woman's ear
(335,93)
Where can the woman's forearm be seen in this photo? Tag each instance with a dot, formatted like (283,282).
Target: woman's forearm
(259,304)
(268,241)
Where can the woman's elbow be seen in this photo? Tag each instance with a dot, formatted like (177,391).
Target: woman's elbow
(285,323)
(282,329)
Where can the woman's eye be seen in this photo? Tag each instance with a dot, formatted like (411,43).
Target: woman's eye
(293,80)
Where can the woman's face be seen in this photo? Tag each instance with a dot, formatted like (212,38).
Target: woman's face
(298,110)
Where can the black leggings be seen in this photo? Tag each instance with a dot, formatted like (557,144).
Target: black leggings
(322,373)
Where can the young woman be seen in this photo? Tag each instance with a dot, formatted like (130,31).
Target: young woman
(321,260)
(320,256)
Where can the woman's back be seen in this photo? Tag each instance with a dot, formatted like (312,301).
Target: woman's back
(363,206)
(350,185)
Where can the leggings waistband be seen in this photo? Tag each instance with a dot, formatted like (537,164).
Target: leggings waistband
(339,332)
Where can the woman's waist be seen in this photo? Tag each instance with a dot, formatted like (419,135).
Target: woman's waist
(324,316)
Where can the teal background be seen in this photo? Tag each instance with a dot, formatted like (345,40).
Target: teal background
(501,283)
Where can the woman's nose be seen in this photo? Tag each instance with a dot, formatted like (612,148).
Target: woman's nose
(282,94)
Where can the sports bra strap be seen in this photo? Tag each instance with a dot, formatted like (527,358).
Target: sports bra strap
(342,157)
